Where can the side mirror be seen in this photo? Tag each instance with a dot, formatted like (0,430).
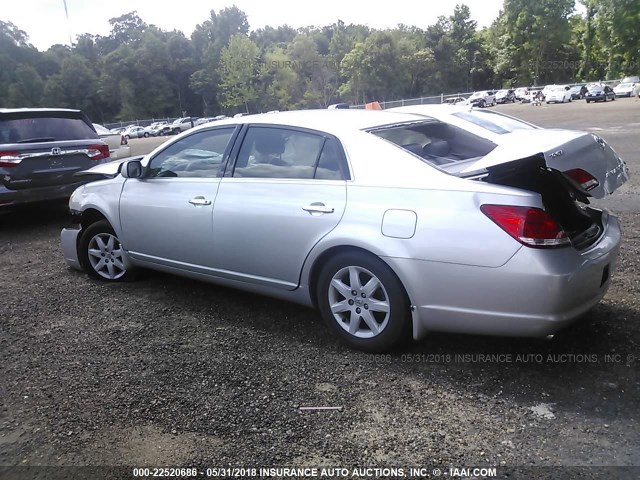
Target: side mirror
(131,169)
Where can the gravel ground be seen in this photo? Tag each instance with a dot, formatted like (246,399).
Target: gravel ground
(171,372)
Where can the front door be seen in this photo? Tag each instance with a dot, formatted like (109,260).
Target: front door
(166,216)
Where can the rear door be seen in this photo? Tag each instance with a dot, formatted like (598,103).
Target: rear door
(45,148)
(286,191)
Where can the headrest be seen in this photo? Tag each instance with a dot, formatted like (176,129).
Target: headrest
(268,143)
(437,148)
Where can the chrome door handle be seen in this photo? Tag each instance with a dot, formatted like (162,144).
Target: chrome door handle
(318,207)
(198,201)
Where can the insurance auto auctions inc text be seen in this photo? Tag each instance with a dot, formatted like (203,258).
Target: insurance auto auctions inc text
(376,472)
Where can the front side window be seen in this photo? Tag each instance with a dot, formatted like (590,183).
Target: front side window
(196,156)
(271,152)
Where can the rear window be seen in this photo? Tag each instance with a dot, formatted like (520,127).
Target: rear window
(494,122)
(437,143)
(44,129)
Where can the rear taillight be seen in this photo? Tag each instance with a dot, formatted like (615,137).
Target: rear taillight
(583,178)
(98,152)
(530,226)
(9,159)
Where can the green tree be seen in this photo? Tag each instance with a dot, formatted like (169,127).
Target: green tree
(238,68)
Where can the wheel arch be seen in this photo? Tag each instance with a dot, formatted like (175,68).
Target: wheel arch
(321,259)
(90,216)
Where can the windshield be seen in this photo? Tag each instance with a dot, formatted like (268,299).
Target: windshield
(494,122)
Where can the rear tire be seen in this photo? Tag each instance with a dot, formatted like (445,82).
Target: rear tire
(101,254)
(363,302)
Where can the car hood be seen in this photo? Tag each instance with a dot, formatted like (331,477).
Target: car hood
(109,169)
(562,150)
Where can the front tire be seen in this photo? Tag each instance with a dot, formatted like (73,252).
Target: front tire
(101,254)
(363,302)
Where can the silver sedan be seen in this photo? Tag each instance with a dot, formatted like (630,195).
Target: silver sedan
(391,224)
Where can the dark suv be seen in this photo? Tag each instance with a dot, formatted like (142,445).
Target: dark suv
(41,149)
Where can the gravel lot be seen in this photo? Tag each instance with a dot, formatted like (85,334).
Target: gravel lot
(170,372)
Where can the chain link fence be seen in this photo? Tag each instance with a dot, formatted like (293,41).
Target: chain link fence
(430,100)
(139,123)
(442,98)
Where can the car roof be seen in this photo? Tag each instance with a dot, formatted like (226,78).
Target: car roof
(39,110)
(330,121)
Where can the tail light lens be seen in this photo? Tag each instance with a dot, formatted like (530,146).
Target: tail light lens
(583,178)
(98,152)
(530,226)
(9,159)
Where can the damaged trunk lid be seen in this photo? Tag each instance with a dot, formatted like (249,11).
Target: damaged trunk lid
(574,154)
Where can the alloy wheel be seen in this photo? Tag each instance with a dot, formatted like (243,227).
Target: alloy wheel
(105,256)
(359,302)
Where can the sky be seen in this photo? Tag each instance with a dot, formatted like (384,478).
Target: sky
(46,24)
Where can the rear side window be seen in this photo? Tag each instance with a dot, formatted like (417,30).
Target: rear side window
(268,152)
(44,129)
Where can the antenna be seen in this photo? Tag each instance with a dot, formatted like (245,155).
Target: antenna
(66,12)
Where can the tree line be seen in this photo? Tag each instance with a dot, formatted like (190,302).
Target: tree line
(142,71)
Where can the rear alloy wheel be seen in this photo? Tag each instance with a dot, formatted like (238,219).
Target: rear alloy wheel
(101,253)
(363,302)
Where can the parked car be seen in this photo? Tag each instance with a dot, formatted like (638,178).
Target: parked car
(154,129)
(505,96)
(180,125)
(304,206)
(558,94)
(455,100)
(134,131)
(482,99)
(624,89)
(578,92)
(599,93)
(41,149)
(202,120)
(521,93)
(633,79)
(118,144)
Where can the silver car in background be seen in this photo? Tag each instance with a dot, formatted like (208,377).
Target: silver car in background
(391,224)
